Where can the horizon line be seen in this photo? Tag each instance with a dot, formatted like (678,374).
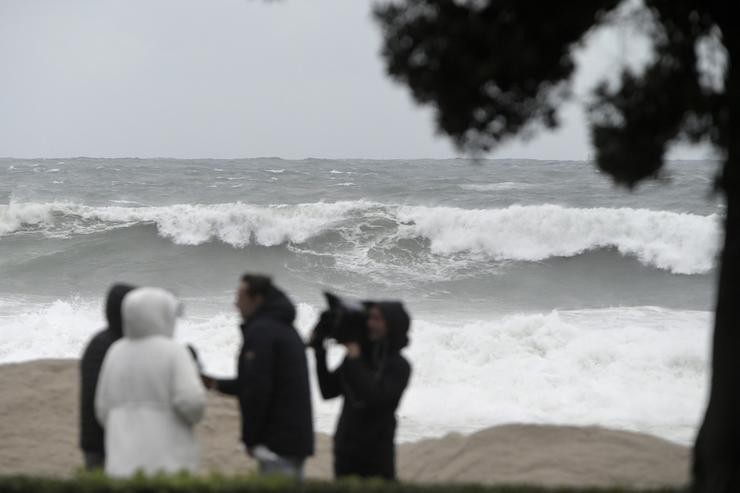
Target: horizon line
(464,158)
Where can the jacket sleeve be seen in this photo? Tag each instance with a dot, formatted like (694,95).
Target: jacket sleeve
(188,393)
(383,390)
(256,375)
(102,389)
(329,383)
(228,386)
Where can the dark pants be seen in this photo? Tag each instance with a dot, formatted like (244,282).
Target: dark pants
(94,460)
(356,465)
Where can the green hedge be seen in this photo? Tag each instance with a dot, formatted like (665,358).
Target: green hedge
(88,483)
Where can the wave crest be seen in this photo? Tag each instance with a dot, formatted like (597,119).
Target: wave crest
(677,242)
(236,224)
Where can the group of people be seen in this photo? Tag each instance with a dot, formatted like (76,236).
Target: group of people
(143,393)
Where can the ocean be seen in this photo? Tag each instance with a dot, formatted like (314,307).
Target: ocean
(540,292)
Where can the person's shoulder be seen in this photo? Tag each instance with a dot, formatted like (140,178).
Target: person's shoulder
(400,362)
(103,336)
(287,336)
(271,327)
(100,340)
(116,347)
(262,331)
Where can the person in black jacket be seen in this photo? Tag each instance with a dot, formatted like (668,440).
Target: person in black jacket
(92,440)
(272,382)
(372,379)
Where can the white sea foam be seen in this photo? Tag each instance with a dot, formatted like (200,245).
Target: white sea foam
(496,187)
(14,217)
(635,368)
(680,243)
(677,242)
(565,367)
(236,224)
(125,202)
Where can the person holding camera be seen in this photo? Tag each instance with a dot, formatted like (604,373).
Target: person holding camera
(372,379)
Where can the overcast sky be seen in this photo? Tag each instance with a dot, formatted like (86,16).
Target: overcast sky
(229,78)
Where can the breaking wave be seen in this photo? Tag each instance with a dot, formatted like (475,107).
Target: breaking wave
(236,224)
(676,242)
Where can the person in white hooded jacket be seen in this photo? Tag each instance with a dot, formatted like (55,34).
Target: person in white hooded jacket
(149,395)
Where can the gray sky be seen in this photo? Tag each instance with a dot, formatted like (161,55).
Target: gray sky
(229,78)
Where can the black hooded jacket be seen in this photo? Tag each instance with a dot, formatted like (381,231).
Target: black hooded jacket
(272,381)
(372,387)
(91,433)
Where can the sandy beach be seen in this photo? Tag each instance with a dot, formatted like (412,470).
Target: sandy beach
(38,432)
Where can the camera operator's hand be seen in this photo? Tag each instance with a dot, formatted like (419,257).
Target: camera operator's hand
(353,350)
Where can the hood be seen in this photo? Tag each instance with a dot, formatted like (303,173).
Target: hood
(277,306)
(398,322)
(113,307)
(149,312)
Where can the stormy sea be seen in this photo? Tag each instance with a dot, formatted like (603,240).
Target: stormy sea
(540,292)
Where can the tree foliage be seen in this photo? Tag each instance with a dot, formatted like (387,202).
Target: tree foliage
(495,68)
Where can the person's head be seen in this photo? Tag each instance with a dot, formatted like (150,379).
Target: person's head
(377,327)
(388,321)
(253,289)
(113,303)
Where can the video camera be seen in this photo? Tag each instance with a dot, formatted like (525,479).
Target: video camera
(344,321)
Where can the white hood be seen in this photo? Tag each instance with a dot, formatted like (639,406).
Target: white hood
(149,312)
